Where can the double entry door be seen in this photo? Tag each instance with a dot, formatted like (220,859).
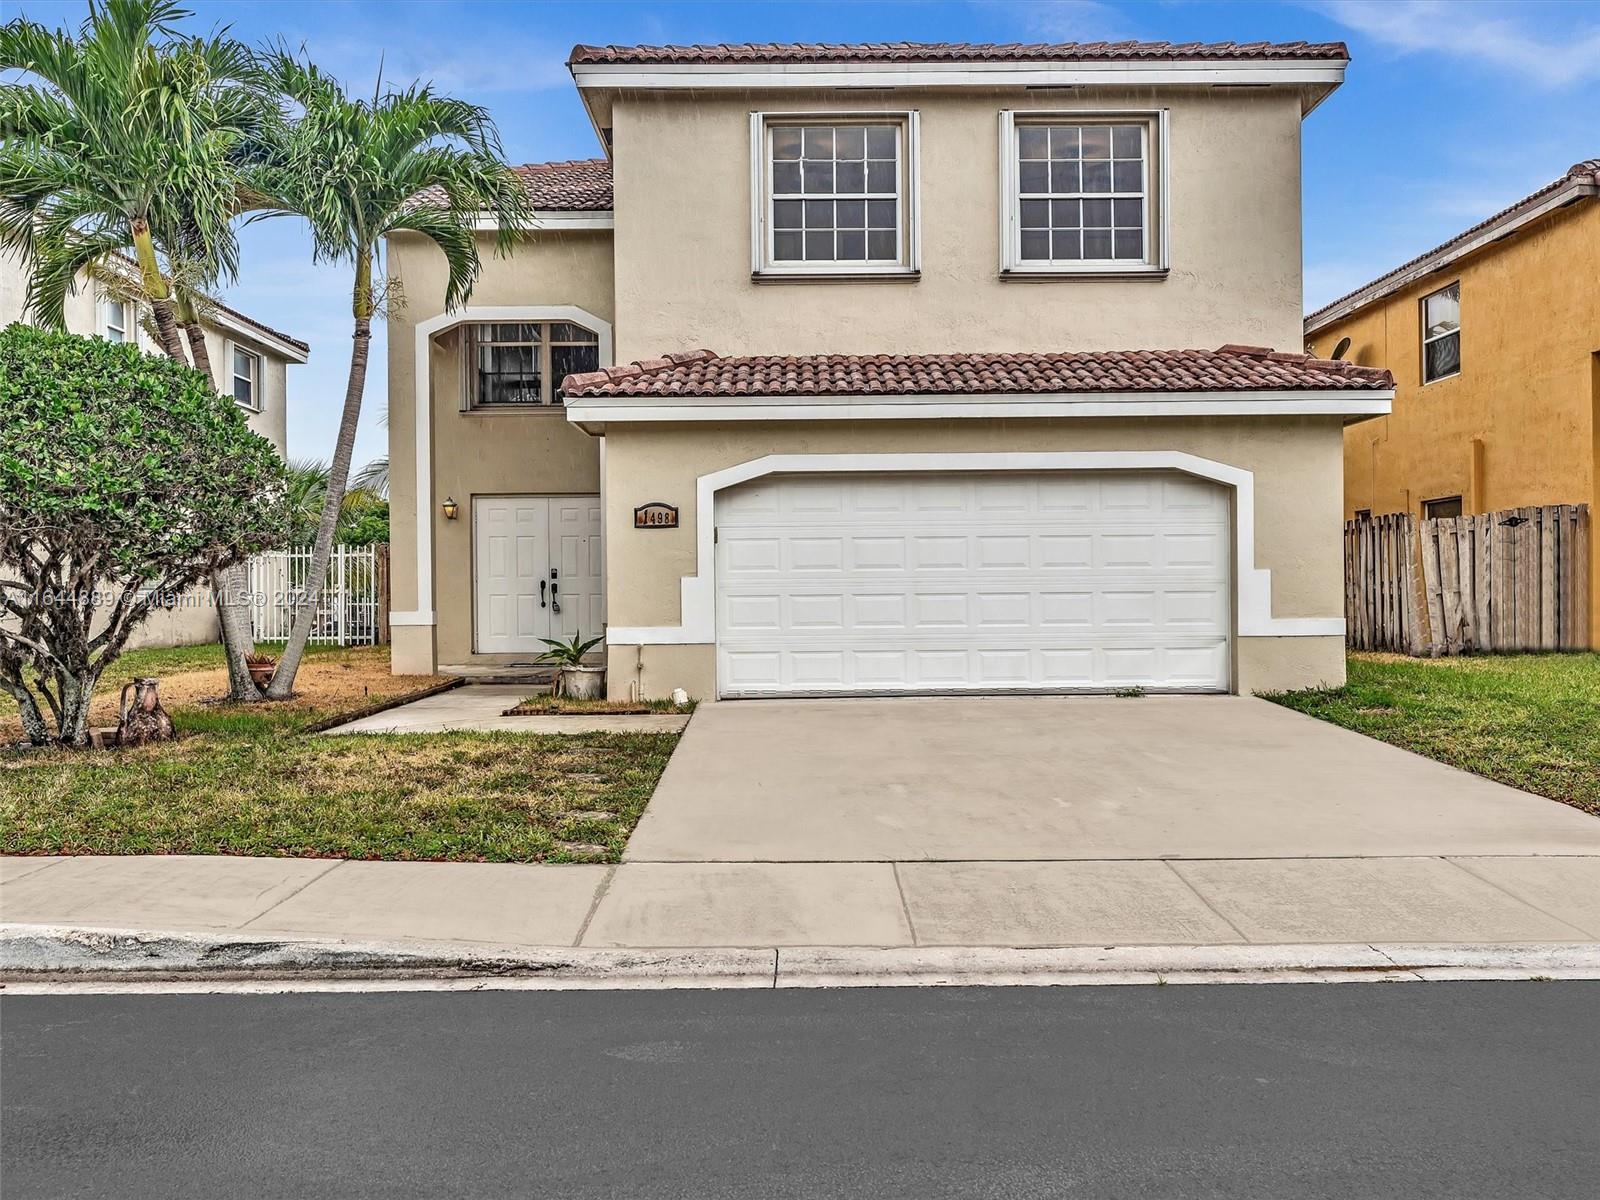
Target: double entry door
(537,562)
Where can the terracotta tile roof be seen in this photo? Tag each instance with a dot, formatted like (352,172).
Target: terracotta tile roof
(243,319)
(580,185)
(1229,369)
(956,52)
(1581,174)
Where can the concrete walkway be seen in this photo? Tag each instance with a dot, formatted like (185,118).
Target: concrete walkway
(480,707)
(1465,900)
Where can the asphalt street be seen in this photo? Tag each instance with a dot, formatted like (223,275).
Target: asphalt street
(1357,1090)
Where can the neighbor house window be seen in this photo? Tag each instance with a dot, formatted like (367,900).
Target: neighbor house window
(1363,514)
(116,319)
(1082,195)
(1444,506)
(1441,334)
(521,364)
(835,195)
(246,377)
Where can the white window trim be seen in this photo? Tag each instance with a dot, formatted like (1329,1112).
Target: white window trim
(130,323)
(255,383)
(1157,206)
(761,266)
(548,381)
(1422,317)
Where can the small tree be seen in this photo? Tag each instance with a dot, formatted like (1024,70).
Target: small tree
(125,479)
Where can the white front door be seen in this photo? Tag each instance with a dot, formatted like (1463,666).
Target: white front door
(1062,581)
(538,566)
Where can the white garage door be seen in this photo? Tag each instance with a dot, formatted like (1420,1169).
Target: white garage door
(1067,581)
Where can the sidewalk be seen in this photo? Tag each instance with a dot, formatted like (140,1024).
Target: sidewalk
(1461,901)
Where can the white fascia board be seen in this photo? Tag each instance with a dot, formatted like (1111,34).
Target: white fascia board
(600,409)
(254,335)
(762,76)
(1446,255)
(556,221)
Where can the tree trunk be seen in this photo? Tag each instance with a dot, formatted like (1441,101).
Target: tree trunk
(305,609)
(77,693)
(157,292)
(198,350)
(228,587)
(34,727)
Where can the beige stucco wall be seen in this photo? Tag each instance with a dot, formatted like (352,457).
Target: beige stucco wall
(476,453)
(1296,463)
(682,186)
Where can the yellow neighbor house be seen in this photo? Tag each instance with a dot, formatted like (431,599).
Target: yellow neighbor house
(1494,342)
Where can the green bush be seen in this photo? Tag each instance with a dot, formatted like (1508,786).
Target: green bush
(125,479)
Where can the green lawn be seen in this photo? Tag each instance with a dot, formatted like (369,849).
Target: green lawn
(248,780)
(1529,720)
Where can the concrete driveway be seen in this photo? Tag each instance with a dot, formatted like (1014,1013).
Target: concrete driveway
(1056,778)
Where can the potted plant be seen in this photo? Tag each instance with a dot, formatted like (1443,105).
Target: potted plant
(261,667)
(574,680)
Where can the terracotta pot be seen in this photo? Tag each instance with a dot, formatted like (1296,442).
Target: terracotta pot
(262,674)
(583,683)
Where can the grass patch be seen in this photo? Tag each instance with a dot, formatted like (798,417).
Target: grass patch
(247,779)
(1528,720)
(462,797)
(543,706)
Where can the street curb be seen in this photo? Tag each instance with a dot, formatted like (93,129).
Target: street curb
(51,958)
(30,953)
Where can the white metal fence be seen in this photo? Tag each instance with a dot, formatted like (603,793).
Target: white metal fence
(351,610)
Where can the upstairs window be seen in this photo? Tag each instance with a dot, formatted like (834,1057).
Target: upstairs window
(835,195)
(521,364)
(1082,194)
(116,319)
(246,378)
(1441,333)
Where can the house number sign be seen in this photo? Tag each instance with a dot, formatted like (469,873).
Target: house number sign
(655,515)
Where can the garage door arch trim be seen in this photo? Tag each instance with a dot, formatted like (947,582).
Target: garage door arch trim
(1252,589)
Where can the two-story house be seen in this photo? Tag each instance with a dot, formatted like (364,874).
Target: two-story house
(889,369)
(250,360)
(1493,338)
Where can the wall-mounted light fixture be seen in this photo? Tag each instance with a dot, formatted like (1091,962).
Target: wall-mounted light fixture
(451,508)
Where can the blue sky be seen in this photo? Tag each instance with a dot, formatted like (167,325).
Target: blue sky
(1450,111)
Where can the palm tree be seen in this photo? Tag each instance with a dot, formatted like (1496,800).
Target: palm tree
(357,170)
(131,138)
(374,477)
(308,490)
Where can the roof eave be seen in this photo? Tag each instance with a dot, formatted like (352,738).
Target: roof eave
(1538,205)
(1320,73)
(593,413)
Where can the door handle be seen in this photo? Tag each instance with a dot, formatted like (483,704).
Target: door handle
(541,593)
(555,602)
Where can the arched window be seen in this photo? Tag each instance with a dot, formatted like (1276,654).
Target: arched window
(521,364)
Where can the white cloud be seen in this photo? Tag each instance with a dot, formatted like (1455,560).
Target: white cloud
(1485,33)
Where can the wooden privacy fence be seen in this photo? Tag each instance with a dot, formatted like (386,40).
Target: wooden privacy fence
(1380,584)
(1514,580)
(352,610)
